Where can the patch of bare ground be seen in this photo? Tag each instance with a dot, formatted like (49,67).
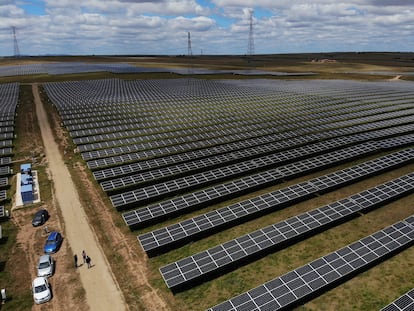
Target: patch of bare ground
(128,262)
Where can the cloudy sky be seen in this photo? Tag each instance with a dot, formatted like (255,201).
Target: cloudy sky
(217,26)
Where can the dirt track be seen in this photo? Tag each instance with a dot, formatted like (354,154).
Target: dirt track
(102,291)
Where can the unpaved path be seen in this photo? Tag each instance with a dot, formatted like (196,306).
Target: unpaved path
(102,292)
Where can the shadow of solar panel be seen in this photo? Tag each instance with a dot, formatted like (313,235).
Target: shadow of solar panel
(310,280)
(279,199)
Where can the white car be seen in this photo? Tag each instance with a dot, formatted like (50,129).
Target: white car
(45,266)
(41,290)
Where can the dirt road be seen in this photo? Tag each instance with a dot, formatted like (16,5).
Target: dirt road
(102,291)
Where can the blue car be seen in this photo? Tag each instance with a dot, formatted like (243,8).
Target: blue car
(53,242)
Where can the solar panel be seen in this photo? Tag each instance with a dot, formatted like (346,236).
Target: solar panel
(403,303)
(243,249)
(3,195)
(2,212)
(4,182)
(190,229)
(139,217)
(4,170)
(309,280)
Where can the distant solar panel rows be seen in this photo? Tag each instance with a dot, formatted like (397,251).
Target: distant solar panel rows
(66,68)
(256,130)
(127,142)
(300,284)
(345,89)
(179,185)
(312,109)
(79,67)
(190,229)
(264,158)
(186,271)
(9,99)
(117,94)
(403,303)
(2,211)
(173,150)
(338,126)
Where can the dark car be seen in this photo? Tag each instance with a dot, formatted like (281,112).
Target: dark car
(40,218)
(53,242)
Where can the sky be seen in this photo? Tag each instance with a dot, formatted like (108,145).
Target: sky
(216,27)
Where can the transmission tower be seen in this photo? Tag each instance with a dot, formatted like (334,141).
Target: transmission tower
(16,46)
(190,54)
(250,44)
(190,51)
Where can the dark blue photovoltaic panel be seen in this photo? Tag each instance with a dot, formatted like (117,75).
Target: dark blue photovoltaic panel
(240,249)
(155,240)
(301,283)
(403,303)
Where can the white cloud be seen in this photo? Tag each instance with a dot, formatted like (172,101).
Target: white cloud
(160,26)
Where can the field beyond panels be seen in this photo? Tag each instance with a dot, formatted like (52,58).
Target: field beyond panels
(191,164)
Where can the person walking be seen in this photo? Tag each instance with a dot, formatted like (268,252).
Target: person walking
(75,257)
(88,261)
(84,256)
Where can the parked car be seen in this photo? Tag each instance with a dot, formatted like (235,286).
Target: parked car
(41,290)
(45,266)
(40,218)
(53,242)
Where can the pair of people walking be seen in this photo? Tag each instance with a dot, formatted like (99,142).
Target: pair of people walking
(86,259)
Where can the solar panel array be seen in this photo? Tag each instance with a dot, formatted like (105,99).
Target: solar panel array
(189,229)
(403,303)
(136,218)
(79,67)
(296,285)
(9,99)
(187,270)
(162,148)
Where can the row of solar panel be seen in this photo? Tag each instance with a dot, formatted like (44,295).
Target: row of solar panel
(187,202)
(255,113)
(94,112)
(169,112)
(264,158)
(293,122)
(9,99)
(116,90)
(165,238)
(402,303)
(157,191)
(223,132)
(243,249)
(298,285)
(221,145)
(285,129)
